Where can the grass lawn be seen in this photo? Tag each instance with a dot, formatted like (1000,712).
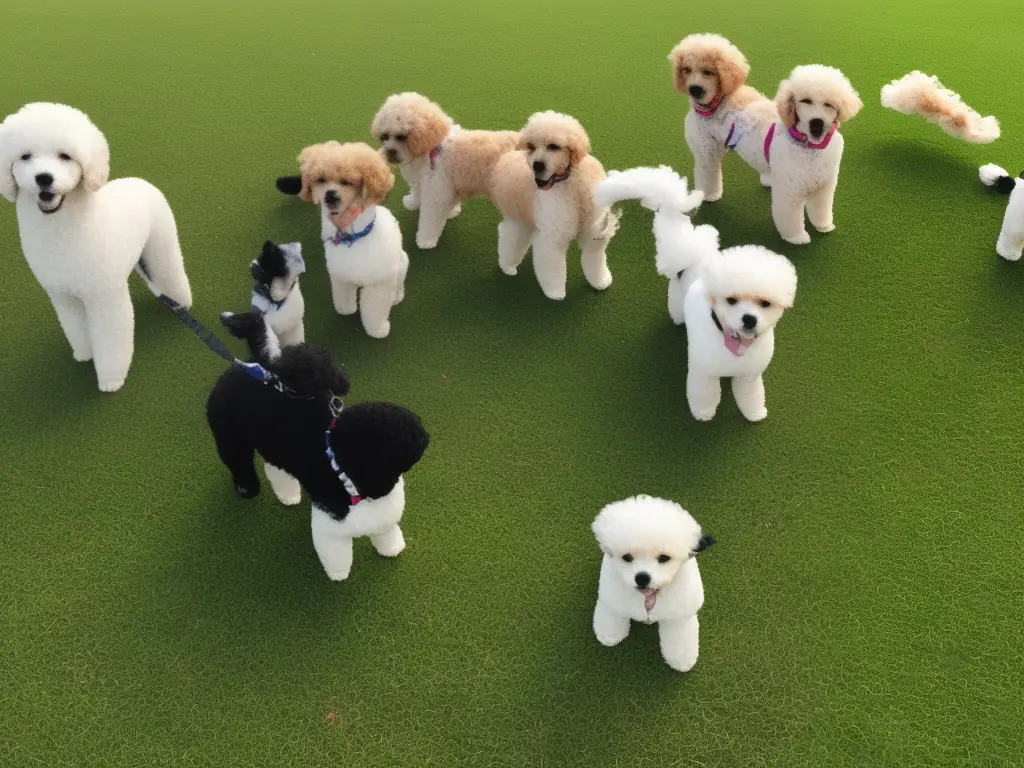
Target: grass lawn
(864,602)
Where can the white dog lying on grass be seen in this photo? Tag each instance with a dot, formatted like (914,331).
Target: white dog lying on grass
(729,300)
(82,236)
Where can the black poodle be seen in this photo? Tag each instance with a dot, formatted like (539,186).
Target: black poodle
(349,459)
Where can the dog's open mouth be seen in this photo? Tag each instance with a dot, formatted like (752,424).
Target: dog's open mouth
(736,342)
(650,598)
(49,202)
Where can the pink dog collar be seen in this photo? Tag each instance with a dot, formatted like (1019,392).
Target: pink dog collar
(433,156)
(707,110)
(800,138)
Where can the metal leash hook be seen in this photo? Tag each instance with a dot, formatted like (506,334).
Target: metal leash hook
(336,404)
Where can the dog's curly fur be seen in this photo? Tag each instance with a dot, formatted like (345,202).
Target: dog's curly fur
(409,126)
(541,211)
(710,71)
(349,182)
(919,94)
(83,235)
(649,573)
(374,443)
(811,100)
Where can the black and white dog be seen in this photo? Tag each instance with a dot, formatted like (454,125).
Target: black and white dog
(349,459)
(276,292)
(1010,244)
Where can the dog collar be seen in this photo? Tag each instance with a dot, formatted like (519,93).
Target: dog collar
(433,156)
(261,300)
(708,110)
(735,343)
(346,238)
(346,481)
(554,179)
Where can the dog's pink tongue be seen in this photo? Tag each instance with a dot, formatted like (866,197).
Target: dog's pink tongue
(735,343)
(650,598)
(345,218)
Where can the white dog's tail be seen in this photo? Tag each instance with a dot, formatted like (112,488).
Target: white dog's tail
(679,244)
(994,176)
(921,94)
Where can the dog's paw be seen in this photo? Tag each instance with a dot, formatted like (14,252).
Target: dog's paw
(393,551)
(713,197)
(609,640)
(826,228)
(345,310)
(82,356)
(455,212)
(380,332)
(756,416)
(766,180)
(289,500)
(111,385)
(247,492)
(411,203)
(681,662)
(425,244)
(1009,255)
(338,576)
(510,271)
(802,239)
(556,295)
(603,282)
(703,414)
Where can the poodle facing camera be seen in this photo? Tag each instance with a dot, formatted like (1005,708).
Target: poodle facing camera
(805,148)
(544,190)
(1010,244)
(725,113)
(349,459)
(362,239)
(649,574)
(82,235)
(275,290)
(442,164)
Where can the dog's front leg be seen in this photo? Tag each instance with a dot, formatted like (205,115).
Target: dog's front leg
(71,315)
(707,173)
(389,543)
(1009,246)
(749,394)
(345,296)
(594,260)
(286,487)
(513,243)
(676,295)
(333,545)
(788,215)
(435,209)
(549,264)
(703,393)
(610,628)
(375,307)
(292,336)
(412,200)
(819,208)
(680,642)
(111,325)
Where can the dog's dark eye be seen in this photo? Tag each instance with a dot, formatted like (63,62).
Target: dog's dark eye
(731,300)
(401,136)
(65,157)
(829,105)
(663,559)
(321,180)
(530,147)
(385,136)
(628,558)
(553,147)
(707,72)
(27,156)
(765,303)
(686,70)
(346,183)
(805,101)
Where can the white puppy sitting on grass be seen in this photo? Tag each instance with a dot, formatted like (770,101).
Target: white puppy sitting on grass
(649,574)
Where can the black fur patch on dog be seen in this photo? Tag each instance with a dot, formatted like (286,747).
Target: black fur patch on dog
(1005,184)
(272,261)
(290,185)
(705,541)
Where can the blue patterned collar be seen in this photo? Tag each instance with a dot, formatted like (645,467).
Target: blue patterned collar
(349,238)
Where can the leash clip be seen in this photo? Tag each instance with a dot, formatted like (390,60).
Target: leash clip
(336,404)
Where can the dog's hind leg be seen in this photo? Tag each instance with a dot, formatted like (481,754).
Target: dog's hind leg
(610,628)
(238,456)
(680,642)
(161,263)
(345,297)
(1010,247)
(71,314)
(286,487)
(819,208)
(513,243)
(749,394)
(389,543)
(703,393)
(549,265)
(111,323)
(434,212)
(333,545)
(403,270)
(788,215)
(676,296)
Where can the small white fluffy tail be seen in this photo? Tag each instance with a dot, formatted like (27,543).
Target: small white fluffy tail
(993,176)
(921,94)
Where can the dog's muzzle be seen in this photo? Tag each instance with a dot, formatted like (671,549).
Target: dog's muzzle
(392,155)
(817,127)
(49,202)
(331,199)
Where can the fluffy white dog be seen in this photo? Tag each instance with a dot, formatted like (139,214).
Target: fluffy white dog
(362,239)
(729,300)
(806,147)
(1011,238)
(649,573)
(82,236)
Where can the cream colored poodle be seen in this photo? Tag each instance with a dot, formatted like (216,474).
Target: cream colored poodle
(442,164)
(805,148)
(724,112)
(544,190)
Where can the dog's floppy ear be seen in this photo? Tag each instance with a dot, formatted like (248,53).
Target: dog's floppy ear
(706,541)
(8,154)
(94,157)
(678,58)
(579,147)
(785,102)
(850,104)
(428,131)
(307,160)
(377,178)
(289,185)
(732,70)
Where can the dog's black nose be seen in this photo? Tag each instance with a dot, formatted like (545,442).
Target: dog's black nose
(696,91)
(392,155)
(642,579)
(331,197)
(44,179)
(817,126)
(539,167)
(749,322)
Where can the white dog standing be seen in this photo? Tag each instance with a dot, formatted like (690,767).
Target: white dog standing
(729,300)
(83,235)
(649,574)
(805,148)
(1010,244)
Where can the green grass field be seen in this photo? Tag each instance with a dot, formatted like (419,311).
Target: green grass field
(865,600)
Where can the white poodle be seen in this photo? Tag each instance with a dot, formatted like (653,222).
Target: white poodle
(649,573)
(362,239)
(805,148)
(82,236)
(442,163)
(544,190)
(729,300)
(1011,238)
(725,114)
